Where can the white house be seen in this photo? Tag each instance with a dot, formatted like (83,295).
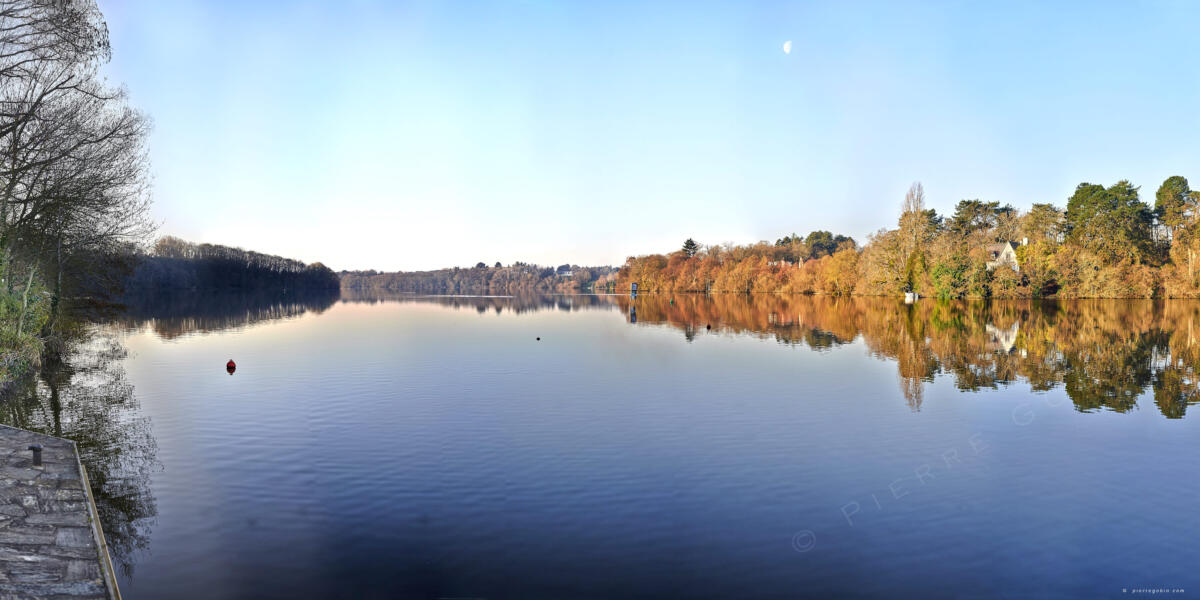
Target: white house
(1004,254)
(1002,339)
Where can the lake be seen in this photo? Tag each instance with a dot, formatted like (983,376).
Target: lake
(658,447)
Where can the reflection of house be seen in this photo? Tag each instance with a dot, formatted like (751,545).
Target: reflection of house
(1004,254)
(1001,339)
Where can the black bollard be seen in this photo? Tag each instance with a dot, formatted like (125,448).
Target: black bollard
(37,454)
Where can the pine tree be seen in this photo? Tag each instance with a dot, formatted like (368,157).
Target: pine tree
(690,247)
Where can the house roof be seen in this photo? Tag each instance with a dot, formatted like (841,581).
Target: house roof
(1000,247)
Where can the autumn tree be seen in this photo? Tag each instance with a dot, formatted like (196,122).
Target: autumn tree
(1043,222)
(1183,276)
(881,266)
(917,228)
(1008,224)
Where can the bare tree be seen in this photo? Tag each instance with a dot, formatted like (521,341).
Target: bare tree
(73,164)
(914,200)
(914,222)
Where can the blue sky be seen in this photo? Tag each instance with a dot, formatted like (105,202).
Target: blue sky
(393,135)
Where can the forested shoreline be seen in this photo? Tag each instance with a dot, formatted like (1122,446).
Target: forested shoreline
(482,278)
(1106,243)
(175,264)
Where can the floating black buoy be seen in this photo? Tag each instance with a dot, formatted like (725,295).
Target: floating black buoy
(539,339)
(230,366)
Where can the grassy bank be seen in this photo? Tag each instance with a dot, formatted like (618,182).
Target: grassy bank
(24,310)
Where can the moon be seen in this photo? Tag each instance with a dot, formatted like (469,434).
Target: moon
(787,47)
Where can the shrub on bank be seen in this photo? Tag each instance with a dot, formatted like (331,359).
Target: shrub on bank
(23,313)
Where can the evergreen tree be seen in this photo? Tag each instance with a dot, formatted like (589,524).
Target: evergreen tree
(1111,222)
(690,247)
(1174,203)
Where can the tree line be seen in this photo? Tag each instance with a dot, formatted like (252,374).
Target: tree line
(516,277)
(1106,243)
(175,264)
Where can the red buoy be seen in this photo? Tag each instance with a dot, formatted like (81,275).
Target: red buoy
(230,366)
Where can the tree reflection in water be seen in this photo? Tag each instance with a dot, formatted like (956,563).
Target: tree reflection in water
(1104,353)
(83,395)
(517,304)
(174,314)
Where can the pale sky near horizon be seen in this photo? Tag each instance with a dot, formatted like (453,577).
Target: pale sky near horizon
(402,136)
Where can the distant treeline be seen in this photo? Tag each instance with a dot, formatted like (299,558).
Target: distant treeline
(176,264)
(482,278)
(1106,243)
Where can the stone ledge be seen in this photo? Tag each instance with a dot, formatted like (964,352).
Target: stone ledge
(51,546)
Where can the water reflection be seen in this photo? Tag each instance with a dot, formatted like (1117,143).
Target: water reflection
(83,395)
(174,314)
(1104,353)
(516,304)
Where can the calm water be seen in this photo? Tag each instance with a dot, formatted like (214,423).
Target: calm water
(426,447)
